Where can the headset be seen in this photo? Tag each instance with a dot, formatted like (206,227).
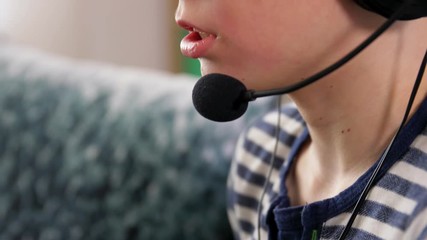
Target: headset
(386,8)
(221,98)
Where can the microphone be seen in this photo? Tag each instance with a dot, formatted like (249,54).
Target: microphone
(220,98)
(223,98)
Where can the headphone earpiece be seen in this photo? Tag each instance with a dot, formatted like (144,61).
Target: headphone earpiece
(417,9)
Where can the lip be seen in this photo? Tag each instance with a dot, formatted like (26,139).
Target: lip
(194,45)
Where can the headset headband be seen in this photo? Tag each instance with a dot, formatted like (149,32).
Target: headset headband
(417,9)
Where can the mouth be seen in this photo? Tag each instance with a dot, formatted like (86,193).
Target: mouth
(202,35)
(197,43)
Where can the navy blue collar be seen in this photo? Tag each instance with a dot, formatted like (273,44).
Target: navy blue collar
(293,218)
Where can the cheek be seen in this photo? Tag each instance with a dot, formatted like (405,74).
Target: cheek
(268,36)
(258,56)
(250,35)
(266,50)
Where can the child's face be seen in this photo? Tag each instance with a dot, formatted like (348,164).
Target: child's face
(265,43)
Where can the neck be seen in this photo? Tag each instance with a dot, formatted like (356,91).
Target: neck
(352,120)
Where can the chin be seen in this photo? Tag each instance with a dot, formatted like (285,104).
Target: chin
(207,67)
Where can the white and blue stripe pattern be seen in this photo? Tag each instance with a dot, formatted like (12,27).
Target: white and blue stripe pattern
(250,167)
(396,207)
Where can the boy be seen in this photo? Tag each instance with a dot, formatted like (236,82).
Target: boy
(331,138)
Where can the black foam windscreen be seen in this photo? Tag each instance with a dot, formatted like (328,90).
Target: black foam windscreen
(386,8)
(219,97)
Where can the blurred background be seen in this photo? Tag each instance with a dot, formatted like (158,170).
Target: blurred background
(138,33)
(99,138)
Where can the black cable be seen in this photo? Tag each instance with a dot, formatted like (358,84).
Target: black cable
(368,186)
(272,160)
(252,95)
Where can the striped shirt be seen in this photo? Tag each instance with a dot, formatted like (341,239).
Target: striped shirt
(395,208)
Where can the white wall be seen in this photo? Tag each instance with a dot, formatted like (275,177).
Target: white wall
(127,32)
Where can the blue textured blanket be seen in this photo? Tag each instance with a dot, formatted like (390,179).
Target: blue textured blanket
(91,151)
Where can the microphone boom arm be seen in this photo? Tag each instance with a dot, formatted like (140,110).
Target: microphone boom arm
(251,95)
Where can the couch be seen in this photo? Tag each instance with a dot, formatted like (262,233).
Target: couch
(91,150)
